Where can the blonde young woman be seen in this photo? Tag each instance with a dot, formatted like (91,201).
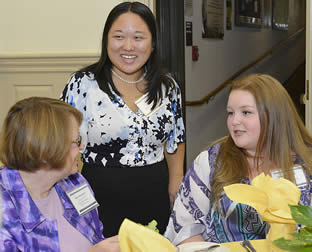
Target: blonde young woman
(266,135)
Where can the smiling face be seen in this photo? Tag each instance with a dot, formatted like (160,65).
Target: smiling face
(243,120)
(129,45)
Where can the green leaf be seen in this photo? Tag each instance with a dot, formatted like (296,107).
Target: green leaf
(303,235)
(307,249)
(308,229)
(292,245)
(153,226)
(302,214)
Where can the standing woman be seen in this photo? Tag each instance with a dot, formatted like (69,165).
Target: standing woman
(132,122)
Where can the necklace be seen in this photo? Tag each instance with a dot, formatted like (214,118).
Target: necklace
(129,82)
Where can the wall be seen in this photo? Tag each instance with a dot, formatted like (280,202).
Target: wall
(41,26)
(219,59)
(43,42)
(53,27)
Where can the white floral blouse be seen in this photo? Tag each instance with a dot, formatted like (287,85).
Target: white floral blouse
(114,135)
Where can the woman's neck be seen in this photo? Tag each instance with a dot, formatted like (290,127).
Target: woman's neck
(38,183)
(257,166)
(135,78)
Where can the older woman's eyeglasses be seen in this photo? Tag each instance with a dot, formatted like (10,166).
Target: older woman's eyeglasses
(78,141)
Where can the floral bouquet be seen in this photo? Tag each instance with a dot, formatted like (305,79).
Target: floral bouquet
(271,198)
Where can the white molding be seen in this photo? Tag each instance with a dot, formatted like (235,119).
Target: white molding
(45,62)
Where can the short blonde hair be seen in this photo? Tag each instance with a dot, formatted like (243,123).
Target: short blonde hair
(37,131)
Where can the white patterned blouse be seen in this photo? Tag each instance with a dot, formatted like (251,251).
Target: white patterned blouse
(114,135)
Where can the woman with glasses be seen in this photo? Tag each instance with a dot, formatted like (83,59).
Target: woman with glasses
(47,205)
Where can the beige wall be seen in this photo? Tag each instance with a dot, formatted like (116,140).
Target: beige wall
(41,26)
(53,27)
(43,42)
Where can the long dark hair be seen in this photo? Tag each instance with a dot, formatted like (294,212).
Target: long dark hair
(155,75)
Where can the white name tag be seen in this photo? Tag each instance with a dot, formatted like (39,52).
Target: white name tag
(82,199)
(145,107)
(300,177)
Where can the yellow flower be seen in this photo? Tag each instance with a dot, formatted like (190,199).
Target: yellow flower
(134,237)
(268,196)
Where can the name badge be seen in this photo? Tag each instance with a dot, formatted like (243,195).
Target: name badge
(145,107)
(82,199)
(299,173)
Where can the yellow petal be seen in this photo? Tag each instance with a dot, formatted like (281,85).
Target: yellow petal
(248,195)
(281,193)
(137,238)
(271,218)
(288,190)
(281,190)
(268,196)
(260,180)
(277,231)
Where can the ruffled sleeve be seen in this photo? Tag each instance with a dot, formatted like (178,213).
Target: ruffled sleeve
(75,93)
(177,134)
(192,203)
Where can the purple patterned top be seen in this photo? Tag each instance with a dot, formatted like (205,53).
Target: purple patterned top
(193,213)
(25,229)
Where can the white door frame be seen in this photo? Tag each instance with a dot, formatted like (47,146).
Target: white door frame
(308,88)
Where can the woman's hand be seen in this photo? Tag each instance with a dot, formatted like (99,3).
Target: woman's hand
(175,163)
(196,238)
(108,245)
(174,185)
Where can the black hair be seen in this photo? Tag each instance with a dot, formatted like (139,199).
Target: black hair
(155,75)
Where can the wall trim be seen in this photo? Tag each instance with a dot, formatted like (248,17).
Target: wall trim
(45,62)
